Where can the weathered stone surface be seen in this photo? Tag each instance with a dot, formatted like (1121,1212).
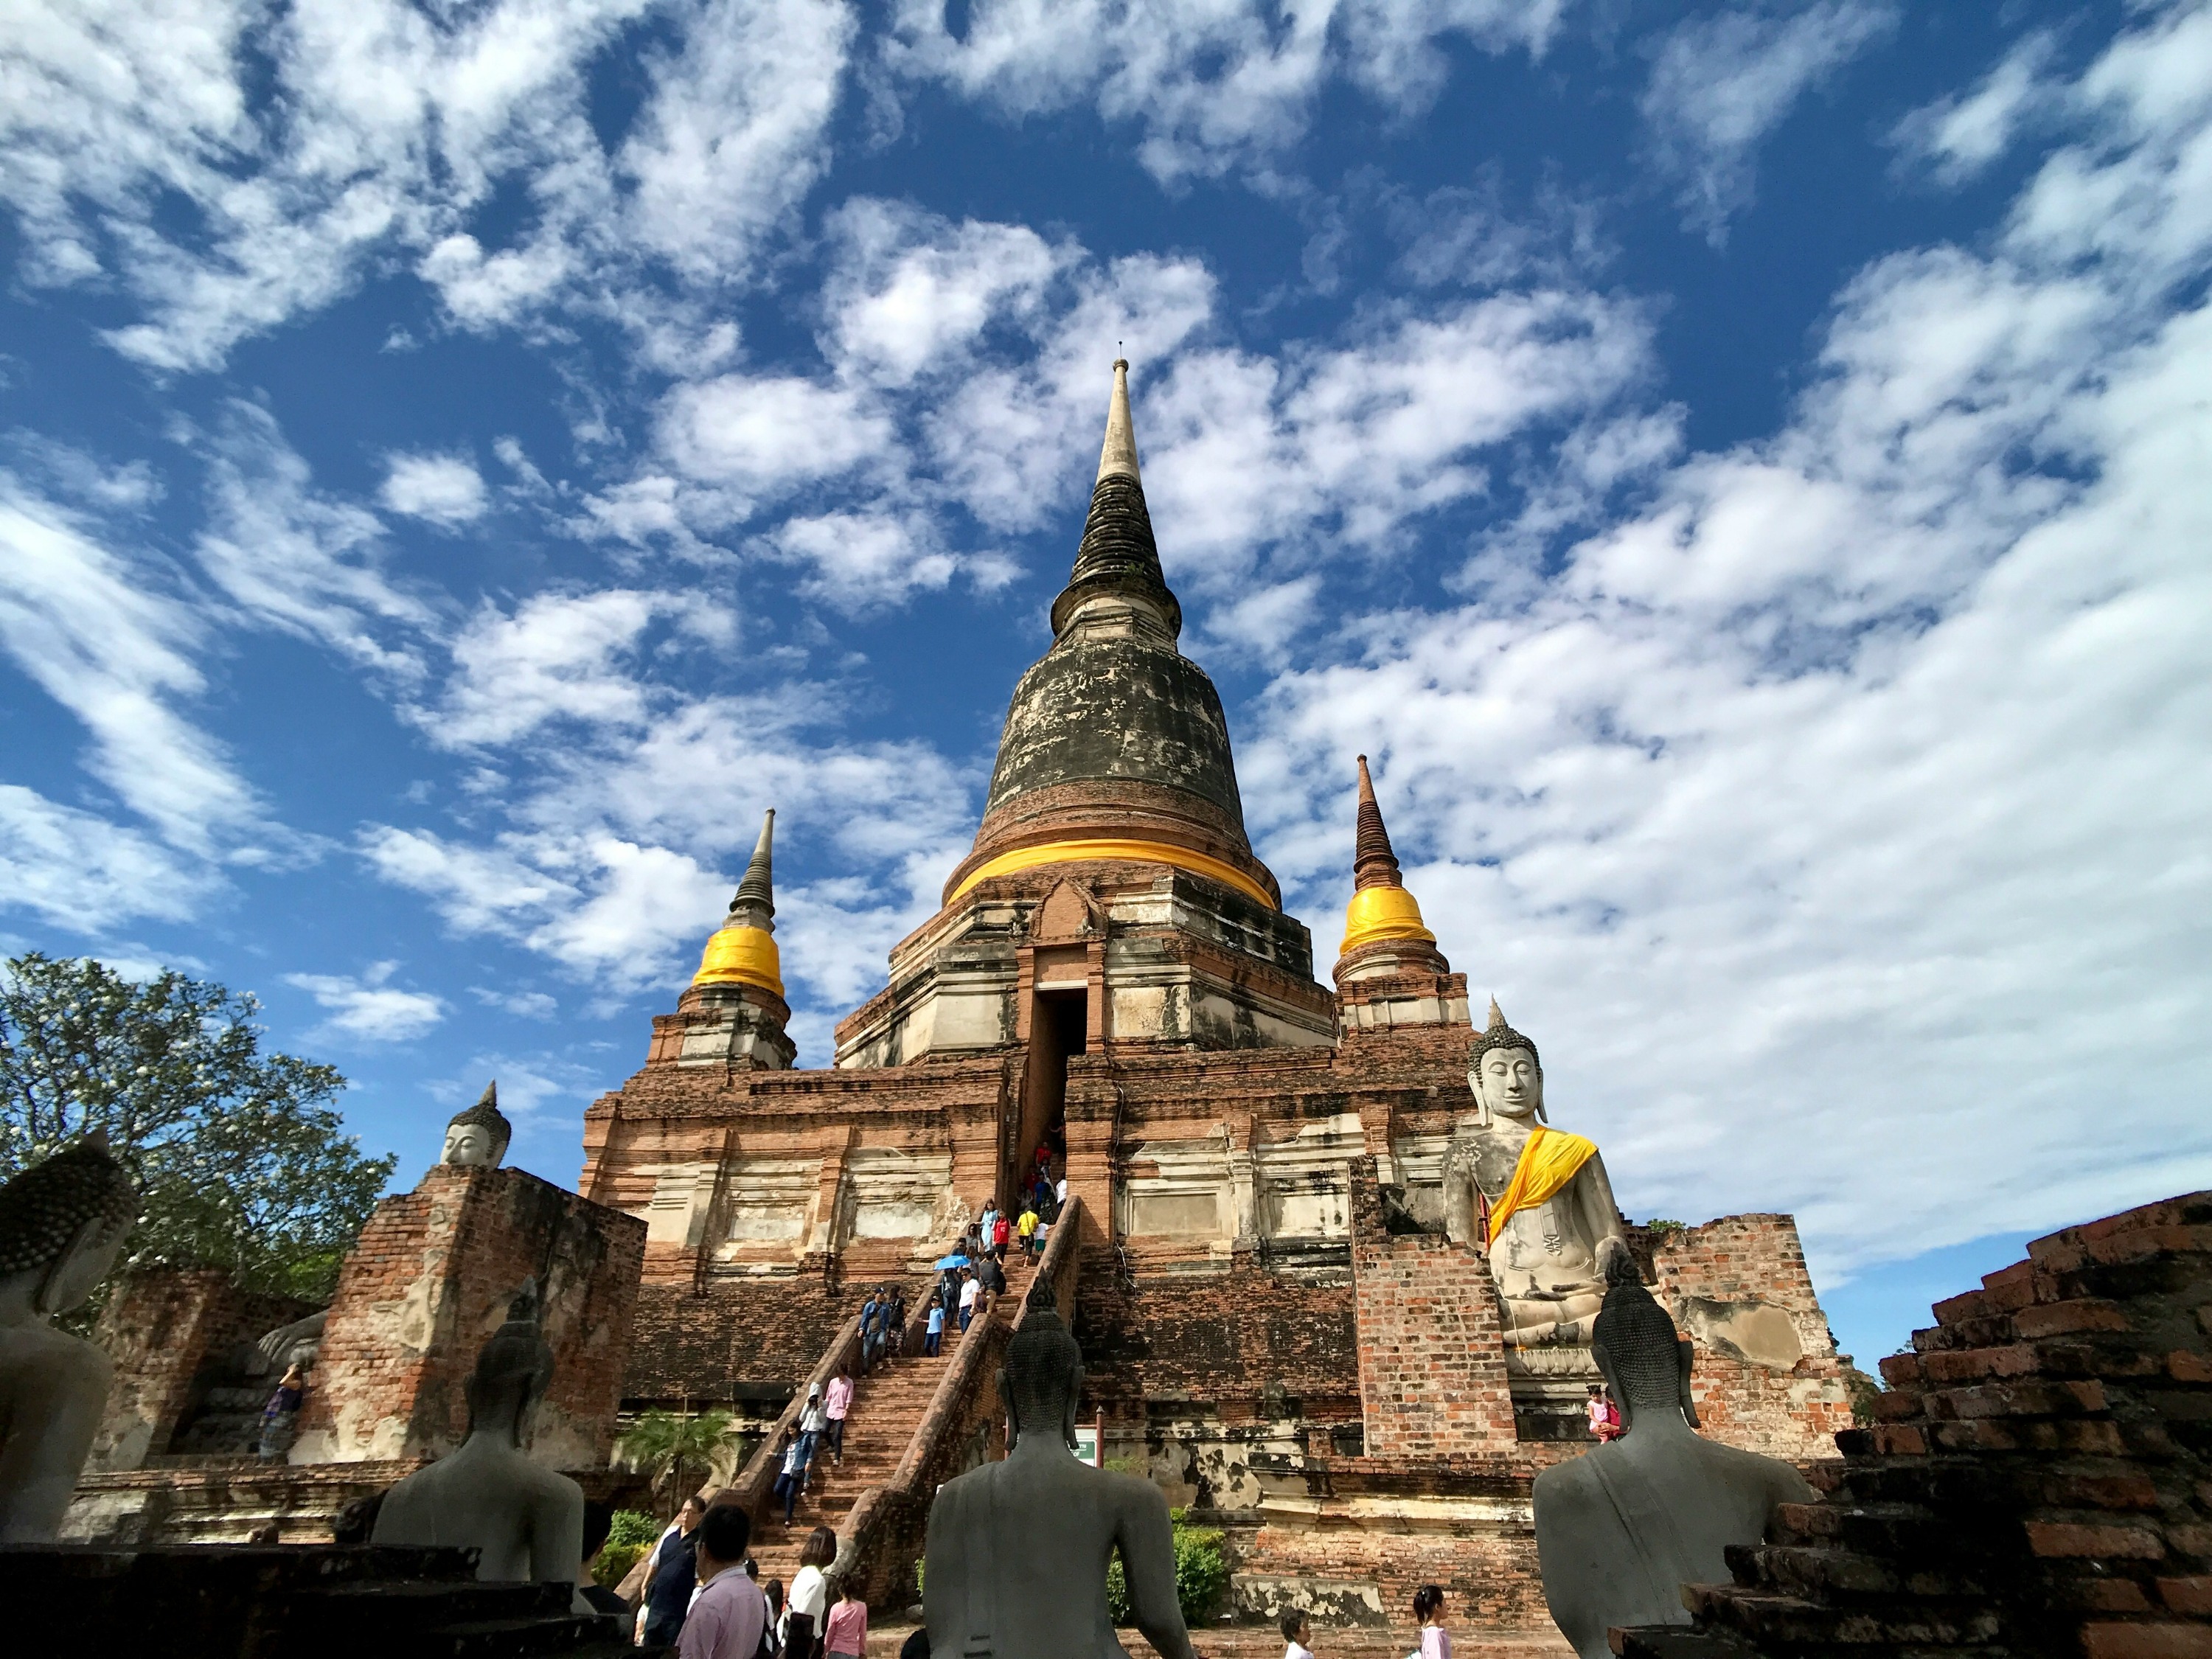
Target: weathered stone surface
(429,1279)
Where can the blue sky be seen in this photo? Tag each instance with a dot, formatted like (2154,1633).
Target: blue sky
(1740,471)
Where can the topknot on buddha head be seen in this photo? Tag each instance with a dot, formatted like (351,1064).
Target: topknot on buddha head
(66,1218)
(1498,1035)
(479,1135)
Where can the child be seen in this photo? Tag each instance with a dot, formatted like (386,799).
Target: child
(1295,1631)
(1042,1236)
(846,1634)
(934,1335)
(1429,1613)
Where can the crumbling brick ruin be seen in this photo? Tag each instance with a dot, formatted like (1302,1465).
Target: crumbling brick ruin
(2040,1482)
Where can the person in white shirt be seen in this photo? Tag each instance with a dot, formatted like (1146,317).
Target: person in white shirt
(970,1289)
(810,1595)
(727,1620)
(1296,1631)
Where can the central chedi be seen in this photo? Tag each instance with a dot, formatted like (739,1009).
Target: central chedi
(1115,781)
(1318,1280)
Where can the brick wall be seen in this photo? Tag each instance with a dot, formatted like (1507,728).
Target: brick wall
(165,1327)
(2039,1483)
(731,1342)
(1739,1288)
(428,1283)
(1431,1347)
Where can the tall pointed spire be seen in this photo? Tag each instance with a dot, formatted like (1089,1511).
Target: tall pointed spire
(755,905)
(1118,556)
(1119,453)
(1373,863)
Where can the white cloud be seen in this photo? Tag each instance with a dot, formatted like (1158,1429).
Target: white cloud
(1955,138)
(446,490)
(1841,808)
(527,1005)
(79,871)
(731,136)
(558,657)
(300,561)
(1721,83)
(1211,84)
(305,143)
(370,1008)
(763,435)
(112,640)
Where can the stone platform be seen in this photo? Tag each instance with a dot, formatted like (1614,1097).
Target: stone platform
(275,1602)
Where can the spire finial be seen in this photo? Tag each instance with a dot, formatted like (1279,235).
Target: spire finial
(755,905)
(1374,865)
(1496,1014)
(1120,451)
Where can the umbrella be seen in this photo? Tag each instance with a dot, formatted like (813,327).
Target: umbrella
(954,1261)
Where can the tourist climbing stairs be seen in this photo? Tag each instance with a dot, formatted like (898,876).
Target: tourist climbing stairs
(888,1405)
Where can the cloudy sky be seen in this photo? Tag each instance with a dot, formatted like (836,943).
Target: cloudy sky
(1741,471)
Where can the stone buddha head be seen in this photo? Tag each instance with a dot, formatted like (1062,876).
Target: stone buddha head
(512,1370)
(1042,1382)
(1646,1363)
(63,1222)
(1505,1074)
(477,1138)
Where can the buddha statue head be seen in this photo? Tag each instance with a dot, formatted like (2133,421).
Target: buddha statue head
(512,1371)
(1505,1073)
(64,1220)
(1042,1382)
(1645,1362)
(477,1138)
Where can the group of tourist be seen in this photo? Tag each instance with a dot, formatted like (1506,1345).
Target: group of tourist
(702,1596)
(882,1325)
(1428,1616)
(1604,1413)
(821,1423)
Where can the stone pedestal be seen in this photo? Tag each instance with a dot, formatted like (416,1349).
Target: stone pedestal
(428,1283)
(1433,1368)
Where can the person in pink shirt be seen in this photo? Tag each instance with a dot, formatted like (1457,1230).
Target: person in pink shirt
(1429,1613)
(835,1403)
(845,1637)
(729,1614)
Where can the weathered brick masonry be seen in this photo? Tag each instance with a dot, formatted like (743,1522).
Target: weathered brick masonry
(430,1280)
(2040,1482)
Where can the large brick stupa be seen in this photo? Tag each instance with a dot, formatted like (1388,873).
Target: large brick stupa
(1276,1323)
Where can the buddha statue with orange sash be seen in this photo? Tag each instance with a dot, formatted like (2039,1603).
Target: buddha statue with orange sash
(1535,1198)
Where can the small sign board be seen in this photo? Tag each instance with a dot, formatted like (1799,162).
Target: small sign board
(1086,1445)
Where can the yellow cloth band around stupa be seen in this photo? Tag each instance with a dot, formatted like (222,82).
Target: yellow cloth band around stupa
(741,956)
(1547,1162)
(1139,852)
(1381,913)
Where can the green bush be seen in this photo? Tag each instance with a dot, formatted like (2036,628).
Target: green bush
(1201,1574)
(632,1527)
(630,1536)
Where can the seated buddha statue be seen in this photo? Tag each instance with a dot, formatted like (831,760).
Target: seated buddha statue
(1620,1529)
(61,1224)
(1535,1198)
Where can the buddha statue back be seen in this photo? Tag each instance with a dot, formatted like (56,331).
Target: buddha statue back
(1621,1528)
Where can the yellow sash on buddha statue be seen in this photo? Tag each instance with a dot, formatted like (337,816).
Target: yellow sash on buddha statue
(1548,1162)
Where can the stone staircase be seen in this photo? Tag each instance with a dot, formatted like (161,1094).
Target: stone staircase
(888,1405)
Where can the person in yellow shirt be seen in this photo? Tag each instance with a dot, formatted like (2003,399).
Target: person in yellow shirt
(1027,1227)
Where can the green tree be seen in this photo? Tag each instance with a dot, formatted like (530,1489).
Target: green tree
(671,1445)
(241,1163)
